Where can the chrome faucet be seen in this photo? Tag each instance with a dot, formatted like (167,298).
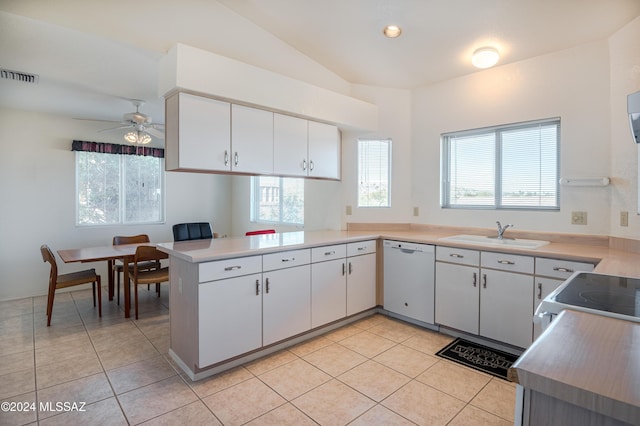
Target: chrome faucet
(502,229)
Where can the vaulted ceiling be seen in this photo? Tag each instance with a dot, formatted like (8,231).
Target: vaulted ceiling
(93,56)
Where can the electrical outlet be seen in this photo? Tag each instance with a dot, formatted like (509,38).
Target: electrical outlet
(416,211)
(349,211)
(624,218)
(578,218)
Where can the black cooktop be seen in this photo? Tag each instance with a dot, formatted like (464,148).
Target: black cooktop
(602,292)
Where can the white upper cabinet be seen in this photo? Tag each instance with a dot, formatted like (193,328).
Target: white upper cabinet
(208,135)
(251,140)
(198,133)
(289,146)
(324,151)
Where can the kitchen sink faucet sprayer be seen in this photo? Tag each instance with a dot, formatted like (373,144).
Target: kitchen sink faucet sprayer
(501,229)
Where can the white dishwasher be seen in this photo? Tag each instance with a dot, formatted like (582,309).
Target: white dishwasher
(409,280)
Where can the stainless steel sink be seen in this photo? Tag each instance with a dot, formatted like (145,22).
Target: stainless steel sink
(482,240)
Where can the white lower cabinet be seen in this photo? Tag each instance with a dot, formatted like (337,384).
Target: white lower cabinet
(361,283)
(457,296)
(229,318)
(485,293)
(286,303)
(505,307)
(328,291)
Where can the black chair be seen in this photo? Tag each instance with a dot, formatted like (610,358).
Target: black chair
(192,231)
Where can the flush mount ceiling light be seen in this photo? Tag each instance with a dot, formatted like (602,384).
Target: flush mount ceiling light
(485,57)
(392,31)
(137,137)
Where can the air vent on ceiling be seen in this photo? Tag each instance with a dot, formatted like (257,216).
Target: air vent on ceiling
(18,76)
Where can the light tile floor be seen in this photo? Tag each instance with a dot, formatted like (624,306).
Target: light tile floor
(377,371)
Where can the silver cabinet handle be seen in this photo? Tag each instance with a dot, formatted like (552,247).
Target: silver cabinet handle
(560,269)
(484,280)
(267,282)
(344,269)
(304,164)
(362,248)
(226,157)
(506,262)
(456,255)
(257,287)
(232,268)
(235,159)
(350,268)
(329,253)
(539,291)
(475,279)
(290,259)
(310,166)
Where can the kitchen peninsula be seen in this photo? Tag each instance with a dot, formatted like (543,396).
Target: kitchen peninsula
(213,331)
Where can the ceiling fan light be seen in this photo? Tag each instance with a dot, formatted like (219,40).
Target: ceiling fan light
(137,137)
(485,57)
(131,137)
(392,31)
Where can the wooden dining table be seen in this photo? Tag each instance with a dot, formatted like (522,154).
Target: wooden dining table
(110,254)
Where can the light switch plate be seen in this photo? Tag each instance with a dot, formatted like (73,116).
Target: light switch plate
(578,218)
(624,218)
(349,211)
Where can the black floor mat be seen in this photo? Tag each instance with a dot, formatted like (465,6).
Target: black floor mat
(479,357)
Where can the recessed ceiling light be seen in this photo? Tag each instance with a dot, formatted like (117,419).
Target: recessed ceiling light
(392,31)
(485,57)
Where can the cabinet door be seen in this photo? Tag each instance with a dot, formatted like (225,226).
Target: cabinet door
(361,283)
(251,140)
(229,318)
(286,303)
(458,297)
(198,133)
(543,287)
(289,146)
(505,307)
(324,151)
(328,291)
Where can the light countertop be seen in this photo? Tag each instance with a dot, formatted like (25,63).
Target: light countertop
(587,360)
(610,260)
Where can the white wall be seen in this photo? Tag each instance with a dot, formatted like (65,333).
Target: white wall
(37,193)
(394,122)
(571,84)
(624,48)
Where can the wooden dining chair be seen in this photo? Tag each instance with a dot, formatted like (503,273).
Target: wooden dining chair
(118,265)
(148,276)
(68,280)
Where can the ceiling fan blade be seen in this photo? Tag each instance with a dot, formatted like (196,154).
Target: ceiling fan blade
(100,121)
(115,128)
(154,132)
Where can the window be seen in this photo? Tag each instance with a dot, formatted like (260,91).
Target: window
(506,167)
(118,189)
(374,167)
(277,200)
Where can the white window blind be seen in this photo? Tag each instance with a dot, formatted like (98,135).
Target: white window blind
(504,167)
(374,167)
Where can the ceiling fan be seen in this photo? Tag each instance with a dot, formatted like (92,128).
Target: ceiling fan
(141,126)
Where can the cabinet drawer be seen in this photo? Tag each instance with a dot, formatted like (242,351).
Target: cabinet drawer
(558,268)
(363,247)
(228,268)
(457,255)
(320,254)
(507,262)
(285,259)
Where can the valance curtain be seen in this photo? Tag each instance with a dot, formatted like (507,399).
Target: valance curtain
(113,148)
